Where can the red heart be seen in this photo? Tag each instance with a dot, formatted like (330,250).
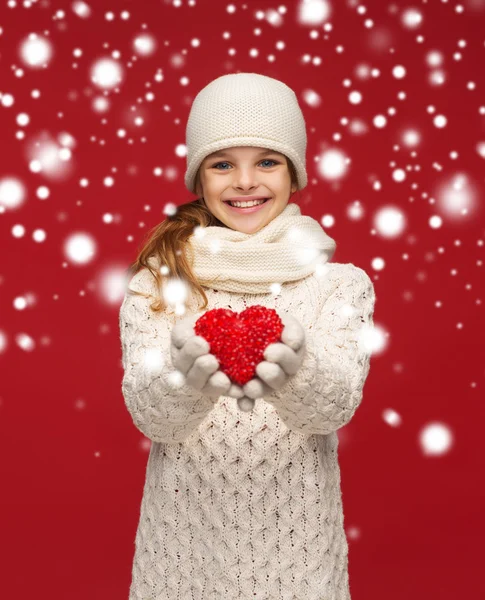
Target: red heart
(238,341)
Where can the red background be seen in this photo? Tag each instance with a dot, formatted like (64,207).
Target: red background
(73,464)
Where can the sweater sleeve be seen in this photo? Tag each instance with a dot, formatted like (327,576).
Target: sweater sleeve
(328,388)
(161,405)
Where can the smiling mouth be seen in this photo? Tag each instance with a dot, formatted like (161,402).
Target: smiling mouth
(248,207)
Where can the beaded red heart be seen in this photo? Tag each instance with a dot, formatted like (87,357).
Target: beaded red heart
(238,340)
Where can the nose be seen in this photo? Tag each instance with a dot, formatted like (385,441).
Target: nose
(245,179)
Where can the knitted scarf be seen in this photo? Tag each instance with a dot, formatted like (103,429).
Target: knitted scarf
(286,249)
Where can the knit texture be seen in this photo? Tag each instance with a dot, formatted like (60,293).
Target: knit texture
(288,248)
(247,505)
(245,109)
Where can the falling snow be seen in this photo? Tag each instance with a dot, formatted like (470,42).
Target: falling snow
(94,99)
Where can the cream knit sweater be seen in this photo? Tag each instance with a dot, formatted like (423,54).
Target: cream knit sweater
(247,505)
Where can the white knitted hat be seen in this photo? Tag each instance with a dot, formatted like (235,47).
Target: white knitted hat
(245,109)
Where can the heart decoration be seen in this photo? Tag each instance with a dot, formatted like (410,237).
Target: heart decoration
(238,340)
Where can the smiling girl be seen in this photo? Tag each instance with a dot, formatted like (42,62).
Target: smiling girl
(242,496)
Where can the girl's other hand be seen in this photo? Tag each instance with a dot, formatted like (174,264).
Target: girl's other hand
(191,356)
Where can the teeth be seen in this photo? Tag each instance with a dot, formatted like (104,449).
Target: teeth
(246,204)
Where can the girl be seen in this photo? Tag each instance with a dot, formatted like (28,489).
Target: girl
(243,504)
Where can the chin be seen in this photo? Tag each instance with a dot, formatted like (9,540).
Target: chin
(242,229)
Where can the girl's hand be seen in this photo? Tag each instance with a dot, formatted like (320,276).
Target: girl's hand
(284,358)
(191,356)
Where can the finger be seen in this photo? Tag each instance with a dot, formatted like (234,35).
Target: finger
(174,354)
(193,348)
(183,330)
(284,356)
(196,346)
(217,385)
(235,391)
(301,355)
(271,374)
(293,333)
(201,370)
(245,404)
(256,388)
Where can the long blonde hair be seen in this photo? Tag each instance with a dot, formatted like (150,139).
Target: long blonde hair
(167,242)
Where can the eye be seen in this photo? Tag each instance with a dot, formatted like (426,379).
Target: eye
(219,163)
(226,163)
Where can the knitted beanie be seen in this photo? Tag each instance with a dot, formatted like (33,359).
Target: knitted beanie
(245,109)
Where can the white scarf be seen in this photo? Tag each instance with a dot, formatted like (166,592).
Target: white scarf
(288,248)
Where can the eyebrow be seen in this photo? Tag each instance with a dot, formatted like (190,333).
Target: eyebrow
(223,154)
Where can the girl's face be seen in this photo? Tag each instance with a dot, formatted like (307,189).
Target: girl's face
(240,173)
